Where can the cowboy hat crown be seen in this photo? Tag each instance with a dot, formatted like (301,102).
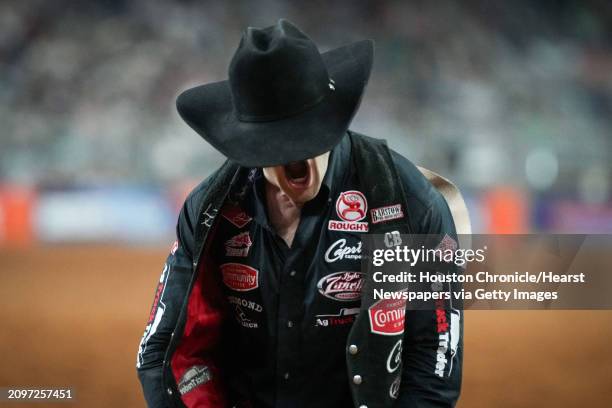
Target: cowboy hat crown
(284,100)
(275,73)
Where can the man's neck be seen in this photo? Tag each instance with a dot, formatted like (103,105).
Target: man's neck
(284,214)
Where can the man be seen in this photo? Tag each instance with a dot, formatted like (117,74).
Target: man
(260,302)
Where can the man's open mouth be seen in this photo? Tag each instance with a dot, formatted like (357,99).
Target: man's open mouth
(298,173)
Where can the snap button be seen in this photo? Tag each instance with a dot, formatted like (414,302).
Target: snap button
(357,379)
(353,349)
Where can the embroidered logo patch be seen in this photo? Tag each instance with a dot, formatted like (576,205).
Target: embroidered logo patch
(236,216)
(447,243)
(395,387)
(387,316)
(395,357)
(239,277)
(339,250)
(344,317)
(238,245)
(390,212)
(194,377)
(342,286)
(351,207)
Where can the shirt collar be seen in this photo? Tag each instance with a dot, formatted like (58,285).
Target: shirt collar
(332,181)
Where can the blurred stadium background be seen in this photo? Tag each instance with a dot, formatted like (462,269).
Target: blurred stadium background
(512,100)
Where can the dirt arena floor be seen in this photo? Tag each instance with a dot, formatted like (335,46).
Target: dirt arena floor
(72,316)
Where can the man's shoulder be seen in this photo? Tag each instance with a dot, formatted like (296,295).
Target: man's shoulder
(202,190)
(432,211)
(422,197)
(416,185)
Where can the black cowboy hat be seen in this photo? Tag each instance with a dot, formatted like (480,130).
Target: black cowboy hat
(284,101)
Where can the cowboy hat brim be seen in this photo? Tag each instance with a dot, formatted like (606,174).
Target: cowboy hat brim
(209,110)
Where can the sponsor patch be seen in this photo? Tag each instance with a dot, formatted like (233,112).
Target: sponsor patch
(395,387)
(447,243)
(236,216)
(239,277)
(339,251)
(443,339)
(342,286)
(345,316)
(347,226)
(246,304)
(392,239)
(243,319)
(157,312)
(209,215)
(395,357)
(238,245)
(194,377)
(387,316)
(390,212)
(351,207)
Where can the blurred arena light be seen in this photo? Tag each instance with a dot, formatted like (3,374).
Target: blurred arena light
(541,168)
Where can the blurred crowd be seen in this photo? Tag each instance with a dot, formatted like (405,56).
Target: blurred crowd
(491,94)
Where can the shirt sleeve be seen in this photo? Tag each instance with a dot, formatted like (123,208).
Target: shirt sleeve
(170,293)
(432,347)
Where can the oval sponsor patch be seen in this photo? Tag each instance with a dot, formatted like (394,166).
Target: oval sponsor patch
(342,286)
(239,277)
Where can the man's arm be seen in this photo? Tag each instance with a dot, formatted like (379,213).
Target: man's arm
(169,296)
(433,346)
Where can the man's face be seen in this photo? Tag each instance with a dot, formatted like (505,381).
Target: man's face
(300,181)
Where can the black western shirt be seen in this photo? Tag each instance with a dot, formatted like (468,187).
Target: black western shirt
(293,307)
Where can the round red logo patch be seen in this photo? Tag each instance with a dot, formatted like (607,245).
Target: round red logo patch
(351,206)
